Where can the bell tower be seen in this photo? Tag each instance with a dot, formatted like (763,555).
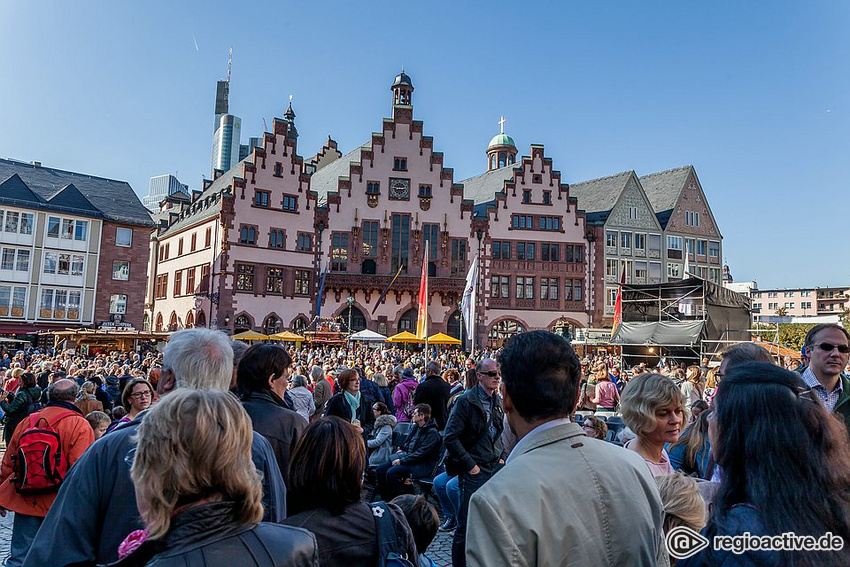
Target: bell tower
(402,89)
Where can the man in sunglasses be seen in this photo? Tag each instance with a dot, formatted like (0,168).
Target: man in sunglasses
(828,349)
(473,441)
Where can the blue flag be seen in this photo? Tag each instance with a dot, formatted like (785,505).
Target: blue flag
(321,291)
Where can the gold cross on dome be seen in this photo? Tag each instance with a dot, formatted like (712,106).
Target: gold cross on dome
(502,125)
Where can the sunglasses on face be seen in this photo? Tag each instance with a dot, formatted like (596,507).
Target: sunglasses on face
(491,373)
(829,347)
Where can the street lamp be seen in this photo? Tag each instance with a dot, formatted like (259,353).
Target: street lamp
(350,301)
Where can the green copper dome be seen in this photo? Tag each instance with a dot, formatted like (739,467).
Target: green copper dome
(501,140)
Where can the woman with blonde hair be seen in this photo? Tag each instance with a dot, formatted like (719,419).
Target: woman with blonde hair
(86,400)
(683,503)
(691,388)
(199,494)
(652,407)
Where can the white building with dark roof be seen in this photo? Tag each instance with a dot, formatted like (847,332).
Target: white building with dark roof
(73,249)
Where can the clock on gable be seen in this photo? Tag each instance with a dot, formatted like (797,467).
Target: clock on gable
(399,189)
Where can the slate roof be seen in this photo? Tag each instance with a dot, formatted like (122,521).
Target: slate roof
(597,197)
(663,190)
(198,210)
(326,179)
(484,187)
(69,192)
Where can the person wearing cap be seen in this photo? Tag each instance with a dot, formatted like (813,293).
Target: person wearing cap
(403,392)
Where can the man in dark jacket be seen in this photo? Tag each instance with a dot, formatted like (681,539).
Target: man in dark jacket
(371,392)
(416,458)
(96,505)
(474,445)
(261,381)
(435,392)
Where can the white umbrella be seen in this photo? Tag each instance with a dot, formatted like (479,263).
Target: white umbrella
(367,336)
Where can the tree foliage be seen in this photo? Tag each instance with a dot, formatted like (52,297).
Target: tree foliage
(791,335)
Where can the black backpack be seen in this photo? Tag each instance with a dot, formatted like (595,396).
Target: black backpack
(13,419)
(388,555)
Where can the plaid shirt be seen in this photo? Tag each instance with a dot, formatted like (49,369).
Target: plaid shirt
(829,399)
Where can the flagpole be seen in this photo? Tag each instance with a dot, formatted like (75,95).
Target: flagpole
(427,300)
(475,304)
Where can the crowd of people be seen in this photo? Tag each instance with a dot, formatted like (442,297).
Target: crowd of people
(215,452)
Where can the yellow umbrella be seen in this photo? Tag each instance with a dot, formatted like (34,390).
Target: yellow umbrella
(442,339)
(250,336)
(286,336)
(404,337)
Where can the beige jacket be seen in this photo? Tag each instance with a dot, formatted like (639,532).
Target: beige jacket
(565,499)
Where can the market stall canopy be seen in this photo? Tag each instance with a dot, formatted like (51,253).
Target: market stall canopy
(250,336)
(405,337)
(287,336)
(367,336)
(670,333)
(442,339)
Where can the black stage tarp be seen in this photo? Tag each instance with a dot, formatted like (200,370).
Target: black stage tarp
(682,313)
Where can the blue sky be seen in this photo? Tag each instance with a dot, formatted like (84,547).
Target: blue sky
(754,95)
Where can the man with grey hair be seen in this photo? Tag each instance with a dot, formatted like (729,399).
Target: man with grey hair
(435,392)
(96,506)
(75,436)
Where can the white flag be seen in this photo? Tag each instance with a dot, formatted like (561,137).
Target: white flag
(467,307)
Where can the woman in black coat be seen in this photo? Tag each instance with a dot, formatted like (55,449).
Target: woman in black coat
(199,494)
(349,404)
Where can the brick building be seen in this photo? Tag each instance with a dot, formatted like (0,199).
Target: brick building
(550,252)
(74,249)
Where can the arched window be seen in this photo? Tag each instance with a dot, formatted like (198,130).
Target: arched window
(299,325)
(357,319)
(503,157)
(172,322)
(502,331)
(271,325)
(202,319)
(407,322)
(492,161)
(146,323)
(242,323)
(455,326)
(190,320)
(368,267)
(159,322)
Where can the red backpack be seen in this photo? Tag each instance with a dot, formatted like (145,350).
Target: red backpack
(39,463)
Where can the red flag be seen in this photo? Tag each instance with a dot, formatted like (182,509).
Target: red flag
(422,316)
(618,304)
